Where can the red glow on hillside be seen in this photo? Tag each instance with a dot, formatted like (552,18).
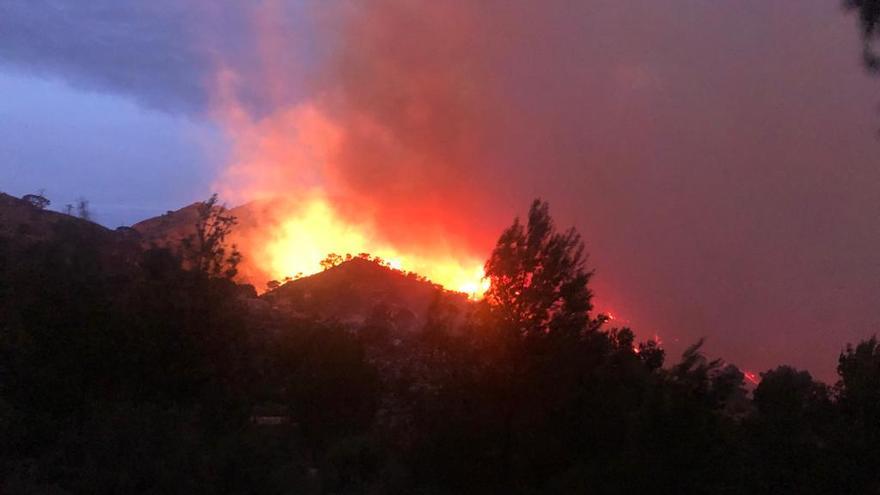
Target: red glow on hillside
(752,377)
(359,168)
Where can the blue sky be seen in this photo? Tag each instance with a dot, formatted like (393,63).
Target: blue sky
(129,161)
(107,99)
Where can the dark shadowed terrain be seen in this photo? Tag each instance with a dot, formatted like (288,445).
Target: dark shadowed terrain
(127,367)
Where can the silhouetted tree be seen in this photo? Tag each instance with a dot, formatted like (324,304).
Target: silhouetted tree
(538,282)
(37,200)
(869,20)
(787,396)
(859,370)
(82,209)
(711,381)
(206,251)
(859,402)
(330,261)
(788,436)
(652,354)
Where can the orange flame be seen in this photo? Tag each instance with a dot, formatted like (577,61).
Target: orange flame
(345,178)
(305,237)
(286,155)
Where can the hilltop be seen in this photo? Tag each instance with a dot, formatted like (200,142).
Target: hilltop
(358,289)
(170,228)
(24,221)
(351,293)
(24,224)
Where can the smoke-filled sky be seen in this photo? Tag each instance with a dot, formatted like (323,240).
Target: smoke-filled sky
(720,158)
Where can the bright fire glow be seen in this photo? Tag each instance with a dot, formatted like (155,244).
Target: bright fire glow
(302,240)
(752,377)
(386,198)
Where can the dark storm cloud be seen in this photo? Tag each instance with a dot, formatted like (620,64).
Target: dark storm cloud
(143,49)
(163,53)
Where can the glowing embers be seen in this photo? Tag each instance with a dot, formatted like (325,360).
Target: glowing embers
(752,377)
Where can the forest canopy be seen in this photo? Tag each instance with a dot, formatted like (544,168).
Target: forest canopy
(134,369)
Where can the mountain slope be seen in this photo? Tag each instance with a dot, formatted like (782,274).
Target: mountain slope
(360,289)
(171,228)
(350,293)
(24,222)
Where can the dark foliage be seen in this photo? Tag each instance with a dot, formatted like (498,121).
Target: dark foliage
(36,200)
(125,370)
(206,251)
(869,21)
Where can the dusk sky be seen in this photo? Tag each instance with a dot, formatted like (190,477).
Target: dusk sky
(720,158)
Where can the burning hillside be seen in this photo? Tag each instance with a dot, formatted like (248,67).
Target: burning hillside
(289,239)
(340,164)
(359,290)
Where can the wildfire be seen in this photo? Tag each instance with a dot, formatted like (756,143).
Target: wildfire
(752,377)
(389,173)
(304,238)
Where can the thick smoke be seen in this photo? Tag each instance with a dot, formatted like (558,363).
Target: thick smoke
(394,127)
(718,157)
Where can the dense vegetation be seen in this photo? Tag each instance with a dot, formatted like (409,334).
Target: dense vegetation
(130,370)
(869,20)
